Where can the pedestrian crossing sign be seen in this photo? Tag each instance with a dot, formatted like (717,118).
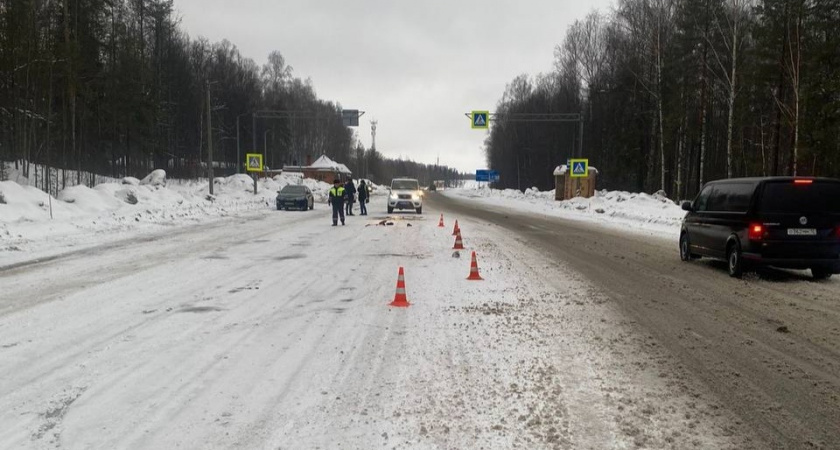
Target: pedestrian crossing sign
(254,162)
(480,120)
(579,168)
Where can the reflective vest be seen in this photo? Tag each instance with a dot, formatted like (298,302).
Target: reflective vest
(337,192)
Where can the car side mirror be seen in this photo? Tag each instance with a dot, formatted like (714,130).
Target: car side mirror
(686,206)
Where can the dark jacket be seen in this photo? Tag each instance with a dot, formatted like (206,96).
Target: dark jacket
(349,191)
(337,195)
(363,191)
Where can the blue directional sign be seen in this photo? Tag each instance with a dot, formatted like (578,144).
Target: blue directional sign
(480,120)
(579,168)
(491,176)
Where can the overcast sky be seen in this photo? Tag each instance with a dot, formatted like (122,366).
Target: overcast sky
(414,66)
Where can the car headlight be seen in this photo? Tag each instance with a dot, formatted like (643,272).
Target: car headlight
(393,196)
(415,196)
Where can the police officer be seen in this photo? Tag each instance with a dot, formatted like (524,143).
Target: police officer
(336,200)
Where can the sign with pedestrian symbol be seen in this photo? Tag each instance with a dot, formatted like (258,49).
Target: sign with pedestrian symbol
(579,167)
(480,120)
(254,162)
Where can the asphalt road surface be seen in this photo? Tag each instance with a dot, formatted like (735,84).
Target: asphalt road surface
(768,347)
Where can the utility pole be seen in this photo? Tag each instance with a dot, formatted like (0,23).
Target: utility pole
(265,147)
(580,155)
(254,145)
(238,151)
(209,140)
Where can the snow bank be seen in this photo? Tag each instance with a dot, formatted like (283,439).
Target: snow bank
(156,178)
(21,202)
(650,212)
(32,221)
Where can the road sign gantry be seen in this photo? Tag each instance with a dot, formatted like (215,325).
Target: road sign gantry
(480,120)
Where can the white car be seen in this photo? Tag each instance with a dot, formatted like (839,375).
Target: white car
(405,194)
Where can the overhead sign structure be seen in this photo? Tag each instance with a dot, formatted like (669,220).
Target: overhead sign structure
(254,162)
(480,120)
(350,117)
(491,176)
(579,168)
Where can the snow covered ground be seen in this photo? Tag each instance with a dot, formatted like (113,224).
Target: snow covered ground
(650,214)
(184,322)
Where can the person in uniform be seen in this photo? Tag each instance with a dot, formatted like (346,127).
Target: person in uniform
(336,200)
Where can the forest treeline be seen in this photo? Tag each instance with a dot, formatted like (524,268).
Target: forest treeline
(117,88)
(675,93)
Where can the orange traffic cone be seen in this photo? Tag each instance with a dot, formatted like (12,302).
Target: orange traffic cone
(457,229)
(400,299)
(474,269)
(440,224)
(459,245)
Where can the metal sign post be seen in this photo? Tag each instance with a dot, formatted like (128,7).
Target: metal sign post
(254,164)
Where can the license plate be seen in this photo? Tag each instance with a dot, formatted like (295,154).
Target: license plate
(802,231)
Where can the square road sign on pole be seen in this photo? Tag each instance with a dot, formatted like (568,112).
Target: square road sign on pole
(480,120)
(254,162)
(579,168)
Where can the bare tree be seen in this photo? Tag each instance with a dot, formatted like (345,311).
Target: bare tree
(730,26)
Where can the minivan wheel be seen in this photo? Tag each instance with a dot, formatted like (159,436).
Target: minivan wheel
(733,258)
(685,248)
(820,274)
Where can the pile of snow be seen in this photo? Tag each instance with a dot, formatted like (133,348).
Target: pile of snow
(156,178)
(650,212)
(30,219)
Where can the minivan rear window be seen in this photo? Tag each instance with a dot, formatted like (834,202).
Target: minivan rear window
(784,197)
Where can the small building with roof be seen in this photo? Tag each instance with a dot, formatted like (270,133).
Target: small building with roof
(323,169)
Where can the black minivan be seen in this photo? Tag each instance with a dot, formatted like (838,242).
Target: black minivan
(786,222)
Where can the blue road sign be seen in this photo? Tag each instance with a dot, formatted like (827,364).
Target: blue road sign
(480,119)
(487,175)
(580,168)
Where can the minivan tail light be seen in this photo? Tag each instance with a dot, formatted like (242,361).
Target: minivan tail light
(803,181)
(756,231)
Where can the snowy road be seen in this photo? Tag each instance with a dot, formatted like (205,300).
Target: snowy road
(272,330)
(768,347)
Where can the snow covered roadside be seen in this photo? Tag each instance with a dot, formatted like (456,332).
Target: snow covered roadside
(653,215)
(109,212)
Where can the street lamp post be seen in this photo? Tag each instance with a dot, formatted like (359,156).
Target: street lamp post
(265,147)
(209,140)
(238,151)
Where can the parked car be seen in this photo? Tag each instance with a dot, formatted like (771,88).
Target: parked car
(784,222)
(405,194)
(295,196)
